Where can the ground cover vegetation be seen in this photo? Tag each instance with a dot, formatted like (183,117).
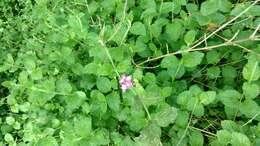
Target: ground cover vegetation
(129,72)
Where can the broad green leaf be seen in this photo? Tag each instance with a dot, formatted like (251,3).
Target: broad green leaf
(75,100)
(91,68)
(150,136)
(239,139)
(210,6)
(83,126)
(63,86)
(192,59)
(229,72)
(170,61)
(113,101)
(213,72)
(17,125)
(138,28)
(174,30)
(250,109)
(98,103)
(149,78)
(190,37)
(230,98)
(76,22)
(103,84)
(213,57)
(250,90)
(47,141)
(224,137)
(8,138)
(201,19)
(182,119)
(100,137)
(136,123)
(37,74)
(166,91)
(251,71)
(229,125)
(207,97)
(183,98)
(174,67)
(85,108)
(10,120)
(165,116)
(196,138)
(167,7)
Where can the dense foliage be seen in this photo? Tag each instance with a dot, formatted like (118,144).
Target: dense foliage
(194,64)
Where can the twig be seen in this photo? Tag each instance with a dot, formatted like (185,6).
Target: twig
(187,127)
(197,49)
(120,24)
(224,25)
(207,37)
(235,44)
(194,128)
(257,28)
(249,121)
(109,57)
(234,36)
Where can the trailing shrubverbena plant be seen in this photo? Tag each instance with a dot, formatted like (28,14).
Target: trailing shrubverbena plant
(129,72)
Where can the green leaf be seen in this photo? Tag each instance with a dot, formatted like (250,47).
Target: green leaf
(183,98)
(166,7)
(182,119)
(98,103)
(9,138)
(83,126)
(166,91)
(100,137)
(229,125)
(113,101)
(250,90)
(103,84)
(196,138)
(192,59)
(91,68)
(230,98)
(190,37)
(207,97)
(149,78)
(209,7)
(47,141)
(150,136)
(63,86)
(10,120)
(174,30)
(229,72)
(165,116)
(213,57)
(201,19)
(239,139)
(174,67)
(37,74)
(250,109)
(76,23)
(75,100)
(169,61)
(251,71)
(224,137)
(138,28)
(213,72)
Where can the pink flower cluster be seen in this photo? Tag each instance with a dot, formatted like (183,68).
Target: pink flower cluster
(125,82)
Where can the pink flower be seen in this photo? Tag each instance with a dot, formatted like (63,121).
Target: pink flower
(125,82)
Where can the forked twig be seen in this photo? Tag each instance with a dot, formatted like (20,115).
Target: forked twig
(207,37)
